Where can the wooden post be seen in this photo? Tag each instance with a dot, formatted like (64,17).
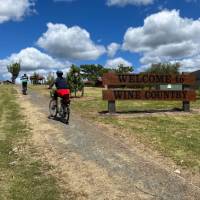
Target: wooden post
(111,104)
(111,107)
(82,93)
(186,104)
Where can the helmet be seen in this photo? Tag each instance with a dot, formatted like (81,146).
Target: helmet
(59,73)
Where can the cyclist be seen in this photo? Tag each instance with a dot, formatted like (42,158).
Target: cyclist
(24,80)
(61,86)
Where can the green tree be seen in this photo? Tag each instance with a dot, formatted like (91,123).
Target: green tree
(74,80)
(92,72)
(123,69)
(164,68)
(14,69)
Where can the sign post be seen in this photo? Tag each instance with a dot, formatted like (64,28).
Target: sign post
(186,104)
(111,107)
(114,81)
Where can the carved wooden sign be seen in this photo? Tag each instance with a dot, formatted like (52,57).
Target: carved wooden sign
(112,95)
(112,79)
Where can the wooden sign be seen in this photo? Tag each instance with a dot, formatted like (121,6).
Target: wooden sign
(185,95)
(113,79)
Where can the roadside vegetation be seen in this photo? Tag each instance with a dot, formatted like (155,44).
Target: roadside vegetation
(22,174)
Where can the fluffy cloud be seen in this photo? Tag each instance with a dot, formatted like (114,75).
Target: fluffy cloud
(187,65)
(70,43)
(32,60)
(128,2)
(112,49)
(3,70)
(164,37)
(14,9)
(113,63)
(190,64)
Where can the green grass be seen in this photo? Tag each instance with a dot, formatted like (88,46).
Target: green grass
(21,175)
(176,135)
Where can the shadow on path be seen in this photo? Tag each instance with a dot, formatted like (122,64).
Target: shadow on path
(59,119)
(149,111)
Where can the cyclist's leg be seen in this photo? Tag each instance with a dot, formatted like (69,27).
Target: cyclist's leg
(23,86)
(55,97)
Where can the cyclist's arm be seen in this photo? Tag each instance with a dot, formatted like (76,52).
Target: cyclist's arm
(51,85)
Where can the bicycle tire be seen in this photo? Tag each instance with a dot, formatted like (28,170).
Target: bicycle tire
(53,112)
(67,113)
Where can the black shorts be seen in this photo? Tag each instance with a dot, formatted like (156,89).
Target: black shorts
(24,84)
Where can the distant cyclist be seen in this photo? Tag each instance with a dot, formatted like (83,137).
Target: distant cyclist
(62,88)
(24,80)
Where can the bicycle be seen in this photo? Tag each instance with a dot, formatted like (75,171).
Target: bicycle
(24,89)
(60,107)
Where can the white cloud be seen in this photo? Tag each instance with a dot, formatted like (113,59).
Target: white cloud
(112,49)
(70,43)
(164,37)
(187,65)
(15,9)
(3,70)
(129,2)
(190,64)
(33,60)
(114,63)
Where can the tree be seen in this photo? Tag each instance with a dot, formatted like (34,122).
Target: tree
(14,69)
(92,72)
(74,80)
(123,69)
(50,79)
(164,68)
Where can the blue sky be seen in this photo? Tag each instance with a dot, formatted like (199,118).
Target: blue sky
(45,35)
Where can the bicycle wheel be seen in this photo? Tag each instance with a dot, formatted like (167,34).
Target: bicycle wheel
(64,112)
(53,108)
(67,113)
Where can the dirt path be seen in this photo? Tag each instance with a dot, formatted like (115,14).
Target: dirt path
(91,165)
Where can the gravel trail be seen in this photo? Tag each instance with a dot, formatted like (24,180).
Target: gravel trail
(94,165)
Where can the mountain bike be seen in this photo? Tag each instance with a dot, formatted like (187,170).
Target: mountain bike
(60,107)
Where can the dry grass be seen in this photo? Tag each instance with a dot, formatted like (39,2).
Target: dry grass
(22,175)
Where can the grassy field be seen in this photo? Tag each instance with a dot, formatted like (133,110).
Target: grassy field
(21,175)
(174,134)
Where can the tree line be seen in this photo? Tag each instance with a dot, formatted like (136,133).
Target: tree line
(94,72)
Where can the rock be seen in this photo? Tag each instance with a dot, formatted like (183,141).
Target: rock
(177,171)
(13,163)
